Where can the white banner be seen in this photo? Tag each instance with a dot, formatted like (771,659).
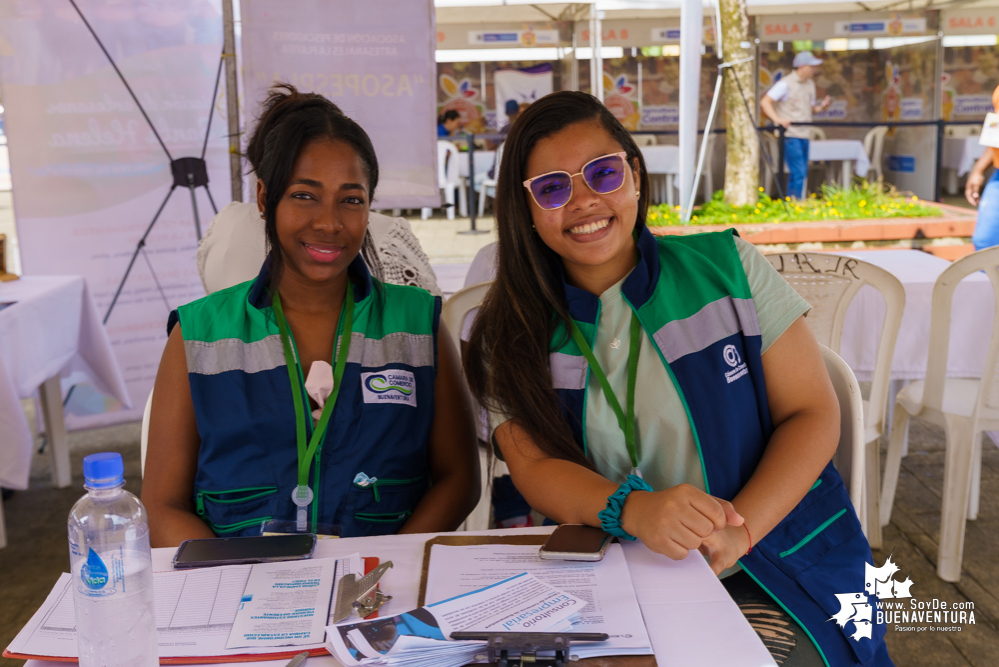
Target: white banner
(89,174)
(522,86)
(373,59)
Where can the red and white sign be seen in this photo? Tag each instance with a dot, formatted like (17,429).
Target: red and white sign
(970,21)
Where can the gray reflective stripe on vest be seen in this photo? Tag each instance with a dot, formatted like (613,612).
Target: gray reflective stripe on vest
(232,354)
(712,323)
(568,370)
(396,348)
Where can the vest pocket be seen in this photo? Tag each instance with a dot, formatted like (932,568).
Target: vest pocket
(379,506)
(382,517)
(234,510)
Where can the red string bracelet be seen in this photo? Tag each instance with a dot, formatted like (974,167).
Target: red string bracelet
(750,538)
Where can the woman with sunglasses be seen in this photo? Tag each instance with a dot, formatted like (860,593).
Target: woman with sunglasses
(664,389)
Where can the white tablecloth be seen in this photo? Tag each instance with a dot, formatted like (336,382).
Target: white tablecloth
(840,149)
(971,318)
(690,617)
(960,153)
(661,159)
(483,162)
(52,329)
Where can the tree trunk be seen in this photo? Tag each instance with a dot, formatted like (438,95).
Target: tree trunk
(742,148)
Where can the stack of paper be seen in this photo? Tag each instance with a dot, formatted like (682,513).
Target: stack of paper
(522,603)
(212,612)
(611,606)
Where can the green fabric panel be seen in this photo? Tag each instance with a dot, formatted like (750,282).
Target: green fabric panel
(695,270)
(224,315)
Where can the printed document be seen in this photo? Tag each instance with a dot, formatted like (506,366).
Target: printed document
(611,605)
(195,613)
(284,604)
(522,603)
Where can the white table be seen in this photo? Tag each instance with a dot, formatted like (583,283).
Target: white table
(959,155)
(971,318)
(52,330)
(846,151)
(662,161)
(483,162)
(690,617)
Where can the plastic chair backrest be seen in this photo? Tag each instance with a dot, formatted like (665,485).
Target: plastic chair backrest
(874,146)
(458,306)
(816,134)
(644,139)
(849,456)
(447,164)
(144,438)
(943,293)
(829,282)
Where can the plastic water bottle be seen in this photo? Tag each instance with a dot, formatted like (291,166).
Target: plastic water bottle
(112,570)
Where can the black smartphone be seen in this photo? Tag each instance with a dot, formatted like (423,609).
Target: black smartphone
(239,550)
(575,542)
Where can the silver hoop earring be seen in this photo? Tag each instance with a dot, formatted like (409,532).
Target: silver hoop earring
(262,214)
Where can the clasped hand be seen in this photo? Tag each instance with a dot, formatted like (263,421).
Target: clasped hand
(681,518)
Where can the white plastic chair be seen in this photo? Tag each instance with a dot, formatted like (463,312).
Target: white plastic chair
(453,315)
(449,180)
(144,438)
(490,183)
(829,282)
(849,456)
(964,408)
(816,134)
(874,146)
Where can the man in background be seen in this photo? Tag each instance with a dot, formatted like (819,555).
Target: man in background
(790,102)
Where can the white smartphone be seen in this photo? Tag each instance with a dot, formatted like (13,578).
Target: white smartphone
(575,542)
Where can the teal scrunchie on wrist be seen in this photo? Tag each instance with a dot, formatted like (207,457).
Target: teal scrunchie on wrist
(610,518)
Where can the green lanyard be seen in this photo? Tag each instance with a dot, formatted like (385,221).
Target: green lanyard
(627,423)
(302,495)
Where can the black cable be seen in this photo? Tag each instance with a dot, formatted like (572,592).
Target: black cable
(145,256)
(759,139)
(122,77)
(211,109)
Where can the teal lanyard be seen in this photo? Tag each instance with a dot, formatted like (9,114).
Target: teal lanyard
(626,422)
(302,495)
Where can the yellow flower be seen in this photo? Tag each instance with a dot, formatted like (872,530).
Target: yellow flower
(761,188)
(915,198)
(862,203)
(834,211)
(733,216)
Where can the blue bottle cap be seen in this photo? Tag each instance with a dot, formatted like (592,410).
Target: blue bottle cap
(103,471)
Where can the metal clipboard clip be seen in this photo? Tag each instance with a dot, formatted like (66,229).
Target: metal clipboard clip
(517,649)
(361,595)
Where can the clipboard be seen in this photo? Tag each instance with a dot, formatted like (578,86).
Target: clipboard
(458,540)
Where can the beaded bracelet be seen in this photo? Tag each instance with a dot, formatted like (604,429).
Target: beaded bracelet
(610,518)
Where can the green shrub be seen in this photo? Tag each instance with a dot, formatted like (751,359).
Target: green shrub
(863,200)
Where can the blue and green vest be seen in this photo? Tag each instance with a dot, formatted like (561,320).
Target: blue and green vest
(380,425)
(693,300)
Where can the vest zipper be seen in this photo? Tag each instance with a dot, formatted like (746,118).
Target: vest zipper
(374,482)
(789,612)
(812,535)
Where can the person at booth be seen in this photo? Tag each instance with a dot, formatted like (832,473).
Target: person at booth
(313,396)
(986,232)
(666,389)
(448,123)
(788,103)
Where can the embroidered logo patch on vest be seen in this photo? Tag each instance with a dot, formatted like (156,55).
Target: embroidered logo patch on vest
(391,386)
(733,359)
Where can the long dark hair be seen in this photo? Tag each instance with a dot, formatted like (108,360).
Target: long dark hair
(289,122)
(507,362)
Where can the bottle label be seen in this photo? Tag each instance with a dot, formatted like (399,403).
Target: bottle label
(98,580)
(94,573)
